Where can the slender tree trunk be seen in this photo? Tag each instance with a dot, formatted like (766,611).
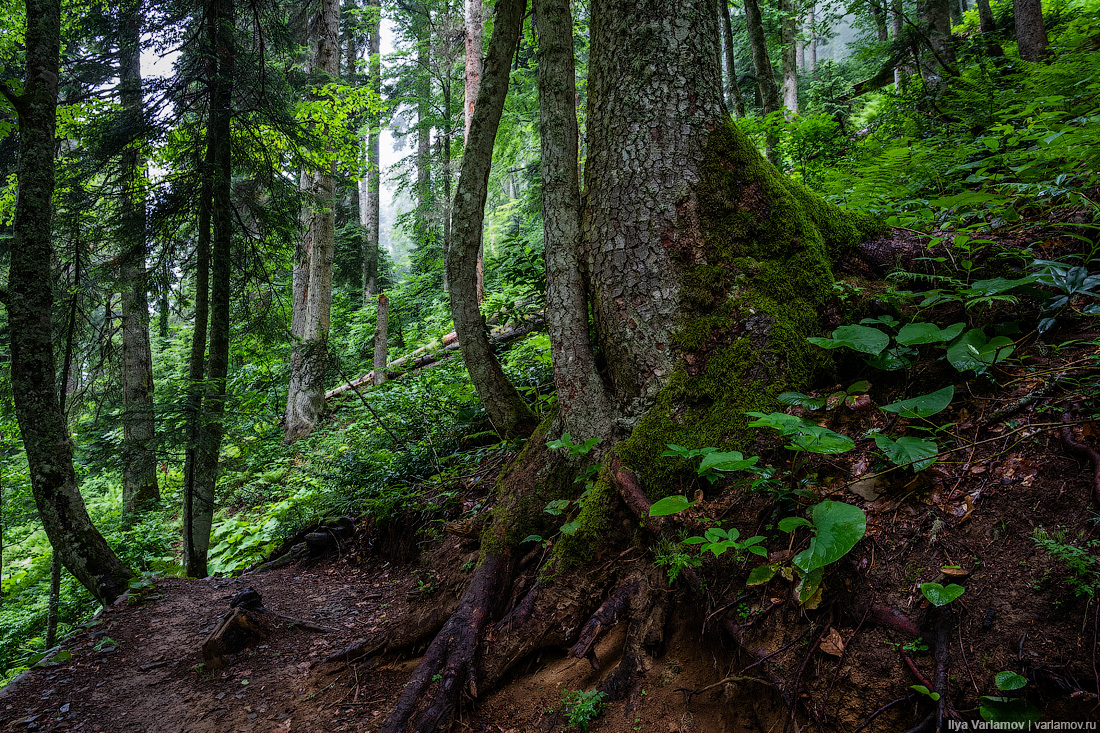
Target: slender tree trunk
(1031,33)
(986,23)
(954,12)
(54,602)
(762,65)
(210,428)
(733,90)
(507,410)
(897,25)
(790,62)
(584,405)
(878,14)
(474,30)
(30,309)
(196,532)
(371,210)
(811,54)
(422,226)
(139,472)
(381,339)
(309,360)
(935,23)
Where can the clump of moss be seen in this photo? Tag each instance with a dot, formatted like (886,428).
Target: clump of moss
(750,299)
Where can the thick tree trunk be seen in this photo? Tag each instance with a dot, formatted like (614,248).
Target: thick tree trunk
(139,463)
(585,407)
(733,90)
(381,339)
(811,49)
(30,309)
(309,360)
(935,24)
(986,23)
(507,410)
(1031,33)
(790,60)
(474,26)
(209,434)
(371,211)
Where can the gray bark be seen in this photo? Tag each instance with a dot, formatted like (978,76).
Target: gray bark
(935,24)
(811,50)
(986,22)
(897,25)
(645,146)
(1031,33)
(733,90)
(790,60)
(762,65)
(30,308)
(381,339)
(139,485)
(371,204)
(583,402)
(474,30)
(878,14)
(507,411)
(309,359)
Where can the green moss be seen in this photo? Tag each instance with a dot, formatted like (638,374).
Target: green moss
(595,518)
(750,299)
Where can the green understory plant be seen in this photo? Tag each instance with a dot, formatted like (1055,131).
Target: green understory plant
(581,708)
(1004,709)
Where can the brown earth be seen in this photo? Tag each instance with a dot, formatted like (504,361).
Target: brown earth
(138,667)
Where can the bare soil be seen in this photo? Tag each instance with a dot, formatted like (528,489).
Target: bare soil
(139,666)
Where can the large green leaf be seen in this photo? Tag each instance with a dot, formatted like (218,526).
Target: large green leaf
(1009,680)
(1008,710)
(923,406)
(973,351)
(858,338)
(919,452)
(731,461)
(669,505)
(837,529)
(912,334)
(804,434)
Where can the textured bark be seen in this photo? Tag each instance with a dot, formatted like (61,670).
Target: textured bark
(811,49)
(30,308)
(139,463)
(1031,34)
(474,26)
(733,90)
(897,26)
(196,531)
(210,428)
(313,292)
(935,25)
(986,22)
(645,146)
(370,203)
(584,405)
(507,410)
(790,60)
(765,77)
(381,339)
(422,227)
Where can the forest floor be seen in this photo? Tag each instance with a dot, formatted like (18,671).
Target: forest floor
(974,519)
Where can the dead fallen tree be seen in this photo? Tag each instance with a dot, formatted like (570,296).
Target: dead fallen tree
(427,356)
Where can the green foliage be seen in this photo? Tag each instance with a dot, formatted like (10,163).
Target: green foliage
(1004,709)
(717,540)
(941,595)
(581,708)
(1079,558)
(805,435)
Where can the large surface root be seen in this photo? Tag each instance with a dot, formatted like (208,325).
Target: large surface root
(450,661)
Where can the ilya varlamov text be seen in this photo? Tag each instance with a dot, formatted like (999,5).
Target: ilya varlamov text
(1029,726)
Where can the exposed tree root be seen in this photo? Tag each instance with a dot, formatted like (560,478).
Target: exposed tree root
(418,628)
(452,654)
(1082,449)
(605,617)
(648,611)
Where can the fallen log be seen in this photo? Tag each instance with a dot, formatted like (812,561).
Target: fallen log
(424,357)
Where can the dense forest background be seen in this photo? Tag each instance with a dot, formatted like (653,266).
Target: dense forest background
(195,335)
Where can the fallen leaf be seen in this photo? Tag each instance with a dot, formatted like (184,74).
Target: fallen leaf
(833,643)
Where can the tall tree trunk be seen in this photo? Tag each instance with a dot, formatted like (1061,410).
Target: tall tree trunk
(507,410)
(790,61)
(210,428)
(30,309)
(762,65)
(474,26)
(381,339)
(139,472)
(897,25)
(878,14)
(196,531)
(422,227)
(935,24)
(1031,33)
(986,23)
(586,409)
(309,360)
(811,52)
(733,90)
(371,208)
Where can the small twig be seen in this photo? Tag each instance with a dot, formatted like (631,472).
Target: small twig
(882,710)
(688,693)
(1033,396)
(369,407)
(781,649)
(303,624)
(916,672)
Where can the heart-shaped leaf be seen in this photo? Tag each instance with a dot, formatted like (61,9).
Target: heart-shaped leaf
(918,452)
(669,505)
(1008,681)
(939,595)
(912,334)
(923,406)
(864,339)
(837,529)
